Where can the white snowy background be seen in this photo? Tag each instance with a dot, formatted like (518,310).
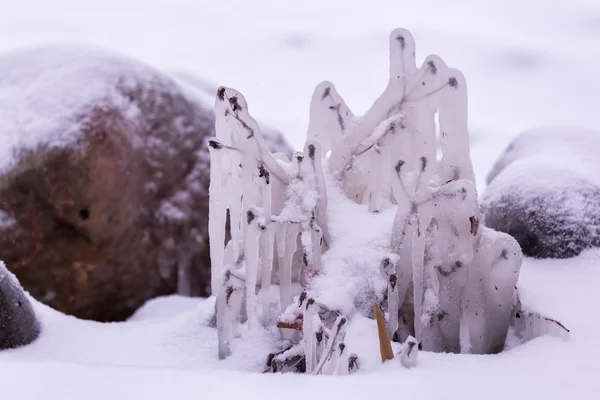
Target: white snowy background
(528,63)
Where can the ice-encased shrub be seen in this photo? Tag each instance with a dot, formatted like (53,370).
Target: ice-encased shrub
(448,268)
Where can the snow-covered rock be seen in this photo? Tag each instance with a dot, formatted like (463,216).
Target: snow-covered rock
(18,323)
(103,180)
(545,192)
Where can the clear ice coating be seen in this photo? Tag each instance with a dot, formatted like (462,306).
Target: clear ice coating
(454,272)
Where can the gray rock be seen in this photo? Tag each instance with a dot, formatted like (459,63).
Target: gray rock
(18,323)
(544,190)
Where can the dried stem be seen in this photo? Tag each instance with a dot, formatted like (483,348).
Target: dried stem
(385,345)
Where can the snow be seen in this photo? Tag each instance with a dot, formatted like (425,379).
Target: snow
(360,240)
(182,340)
(548,192)
(39,107)
(544,190)
(164,307)
(526,63)
(154,357)
(6,221)
(570,148)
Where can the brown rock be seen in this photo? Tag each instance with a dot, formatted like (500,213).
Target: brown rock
(104,204)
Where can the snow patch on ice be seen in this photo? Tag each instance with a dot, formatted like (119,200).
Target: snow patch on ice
(360,239)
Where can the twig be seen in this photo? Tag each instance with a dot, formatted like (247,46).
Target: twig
(296,325)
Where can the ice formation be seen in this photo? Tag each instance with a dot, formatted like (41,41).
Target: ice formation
(409,352)
(457,276)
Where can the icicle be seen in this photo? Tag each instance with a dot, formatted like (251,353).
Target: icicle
(386,170)
(459,238)
(331,364)
(418,252)
(278,187)
(313,149)
(423,220)
(285,264)
(389,266)
(223,326)
(234,187)
(342,362)
(506,258)
(316,236)
(490,290)
(308,327)
(279,232)
(412,218)
(280,235)
(374,193)
(431,336)
(320,341)
(229,300)
(217,211)
(307,259)
(338,330)
(267,244)
(455,205)
(255,226)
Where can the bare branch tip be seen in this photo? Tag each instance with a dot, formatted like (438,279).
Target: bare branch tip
(301,298)
(402,41)
(215,144)
(399,165)
(235,105)
(221,93)
(432,67)
(311,151)
(423,163)
(250,216)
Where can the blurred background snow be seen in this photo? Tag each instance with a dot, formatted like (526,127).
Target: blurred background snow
(528,63)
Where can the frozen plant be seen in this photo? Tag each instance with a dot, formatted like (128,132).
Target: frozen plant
(321,348)
(448,275)
(441,260)
(274,207)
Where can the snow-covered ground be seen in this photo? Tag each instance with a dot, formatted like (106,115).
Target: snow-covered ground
(527,63)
